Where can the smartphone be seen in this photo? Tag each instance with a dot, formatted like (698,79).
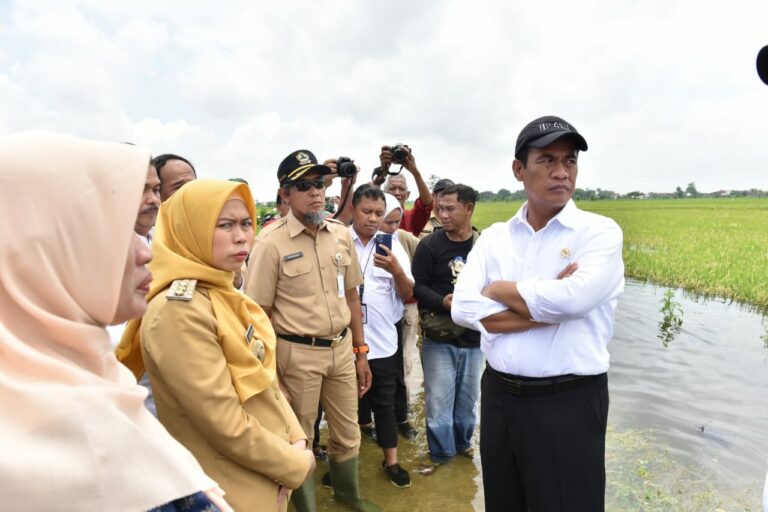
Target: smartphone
(383,239)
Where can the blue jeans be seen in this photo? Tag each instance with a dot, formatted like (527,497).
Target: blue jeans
(451,388)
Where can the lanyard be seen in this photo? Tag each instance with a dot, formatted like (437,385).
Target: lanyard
(361,291)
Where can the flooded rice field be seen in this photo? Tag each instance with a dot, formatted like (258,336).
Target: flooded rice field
(688,422)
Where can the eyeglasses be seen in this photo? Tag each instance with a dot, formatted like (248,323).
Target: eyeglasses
(304,185)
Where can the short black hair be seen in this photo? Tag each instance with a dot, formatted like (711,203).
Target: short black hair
(464,193)
(523,156)
(279,199)
(368,191)
(159,162)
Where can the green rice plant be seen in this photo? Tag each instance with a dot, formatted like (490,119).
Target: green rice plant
(712,247)
(672,318)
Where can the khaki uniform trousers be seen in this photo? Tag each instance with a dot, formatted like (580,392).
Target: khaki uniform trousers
(327,375)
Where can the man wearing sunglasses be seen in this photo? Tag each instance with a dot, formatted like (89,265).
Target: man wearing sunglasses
(305,275)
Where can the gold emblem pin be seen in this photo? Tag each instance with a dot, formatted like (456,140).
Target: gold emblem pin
(565,252)
(258,350)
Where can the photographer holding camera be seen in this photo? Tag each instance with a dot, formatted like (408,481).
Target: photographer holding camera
(415,218)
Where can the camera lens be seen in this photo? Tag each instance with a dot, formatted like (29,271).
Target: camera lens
(399,154)
(345,167)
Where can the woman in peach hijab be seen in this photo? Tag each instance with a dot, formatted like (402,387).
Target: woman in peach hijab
(74,433)
(210,350)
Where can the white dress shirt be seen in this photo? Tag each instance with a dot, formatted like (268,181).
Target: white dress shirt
(384,307)
(580,308)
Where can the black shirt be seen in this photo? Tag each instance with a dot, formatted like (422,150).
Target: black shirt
(436,264)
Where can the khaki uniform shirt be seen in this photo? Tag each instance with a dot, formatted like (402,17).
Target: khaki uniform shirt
(303,276)
(245,447)
(429,228)
(408,241)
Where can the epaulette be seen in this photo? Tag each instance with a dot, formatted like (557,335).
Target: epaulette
(336,221)
(182,289)
(271,227)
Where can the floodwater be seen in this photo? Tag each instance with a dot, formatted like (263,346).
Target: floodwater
(705,395)
(701,399)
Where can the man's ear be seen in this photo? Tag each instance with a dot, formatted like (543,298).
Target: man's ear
(517,169)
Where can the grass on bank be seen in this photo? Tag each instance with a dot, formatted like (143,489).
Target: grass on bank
(642,477)
(706,246)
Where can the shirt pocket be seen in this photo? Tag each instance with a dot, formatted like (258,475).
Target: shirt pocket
(297,276)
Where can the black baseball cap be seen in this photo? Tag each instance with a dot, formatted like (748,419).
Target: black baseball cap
(762,64)
(544,131)
(441,185)
(297,164)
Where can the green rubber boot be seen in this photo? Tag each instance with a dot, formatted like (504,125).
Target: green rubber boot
(345,486)
(303,498)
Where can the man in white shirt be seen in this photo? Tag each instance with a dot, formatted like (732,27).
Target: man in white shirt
(387,282)
(542,289)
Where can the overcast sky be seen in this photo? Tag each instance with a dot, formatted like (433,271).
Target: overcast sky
(665,92)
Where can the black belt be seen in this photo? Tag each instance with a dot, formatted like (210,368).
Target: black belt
(314,340)
(518,385)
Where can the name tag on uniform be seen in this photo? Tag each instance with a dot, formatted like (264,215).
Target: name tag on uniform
(340,284)
(293,256)
(248,334)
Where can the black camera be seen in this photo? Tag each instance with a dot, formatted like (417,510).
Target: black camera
(399,153)
(345,167)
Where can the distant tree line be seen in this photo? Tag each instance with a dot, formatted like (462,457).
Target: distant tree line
(599,194)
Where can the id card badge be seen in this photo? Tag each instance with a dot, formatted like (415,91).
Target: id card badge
(364,309)
(340,284)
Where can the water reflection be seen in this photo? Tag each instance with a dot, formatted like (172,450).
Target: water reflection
(764,337)
(672,318)
(705,394)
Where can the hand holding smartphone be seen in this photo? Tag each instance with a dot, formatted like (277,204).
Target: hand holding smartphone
(383,239)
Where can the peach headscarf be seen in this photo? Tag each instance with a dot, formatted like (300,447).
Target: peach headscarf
(74,432)
(183,249)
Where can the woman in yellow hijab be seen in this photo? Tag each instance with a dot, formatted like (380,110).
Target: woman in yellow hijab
(210,350)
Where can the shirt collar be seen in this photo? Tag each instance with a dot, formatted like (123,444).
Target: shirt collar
(295,227)
(356,237)
(567,217)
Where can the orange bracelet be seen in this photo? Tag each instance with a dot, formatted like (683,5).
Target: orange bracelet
(361,349)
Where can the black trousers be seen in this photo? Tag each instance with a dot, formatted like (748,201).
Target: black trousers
(543,453)
(382,400)
(401,392)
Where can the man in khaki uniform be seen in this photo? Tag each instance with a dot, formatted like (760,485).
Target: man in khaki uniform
(305,274)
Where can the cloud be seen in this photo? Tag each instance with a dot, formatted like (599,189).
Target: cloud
(665,93)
